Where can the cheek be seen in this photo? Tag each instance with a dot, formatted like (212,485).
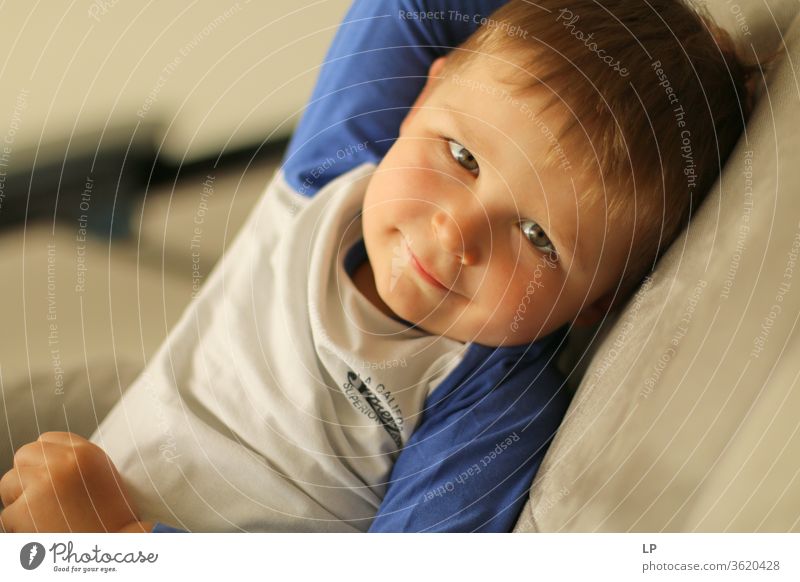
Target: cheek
(500,290)
(412,167)
(389,205)
(521,285)
(401,195)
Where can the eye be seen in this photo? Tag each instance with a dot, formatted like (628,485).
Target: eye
(538,237)
(463,156)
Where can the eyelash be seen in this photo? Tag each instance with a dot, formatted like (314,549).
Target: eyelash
(549,248)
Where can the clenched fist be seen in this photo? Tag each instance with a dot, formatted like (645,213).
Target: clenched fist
(64,483)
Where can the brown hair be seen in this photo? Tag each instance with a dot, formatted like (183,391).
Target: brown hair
(657,87)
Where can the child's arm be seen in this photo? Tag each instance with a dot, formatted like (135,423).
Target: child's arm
(470,463)
(64,483)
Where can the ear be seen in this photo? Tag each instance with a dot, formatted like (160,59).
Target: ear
(593,313)
(433,78)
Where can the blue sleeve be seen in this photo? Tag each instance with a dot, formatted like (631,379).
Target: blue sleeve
(374,69)
(164,528)
(470,463)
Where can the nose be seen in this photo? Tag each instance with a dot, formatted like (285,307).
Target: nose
(458,234)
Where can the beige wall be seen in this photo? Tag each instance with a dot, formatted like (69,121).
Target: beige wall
(200,75)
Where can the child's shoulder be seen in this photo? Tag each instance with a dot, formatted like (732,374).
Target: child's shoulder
(526,375)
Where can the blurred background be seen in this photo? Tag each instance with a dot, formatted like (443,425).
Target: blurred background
(135,139)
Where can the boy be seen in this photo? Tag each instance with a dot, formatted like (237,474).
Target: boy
(404,320)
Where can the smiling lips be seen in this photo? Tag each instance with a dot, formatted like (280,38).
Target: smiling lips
(423,273)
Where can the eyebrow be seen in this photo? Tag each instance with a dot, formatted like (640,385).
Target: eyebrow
(467,131)
(473,137)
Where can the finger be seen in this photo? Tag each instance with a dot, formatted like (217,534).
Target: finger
(30,454)
(17,518)
(10,487)
(61,438)
(6,523)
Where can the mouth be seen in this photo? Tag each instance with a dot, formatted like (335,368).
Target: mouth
(424,274)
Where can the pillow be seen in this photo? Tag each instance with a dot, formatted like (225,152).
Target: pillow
(686,417)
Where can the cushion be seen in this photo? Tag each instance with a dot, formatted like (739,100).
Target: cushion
(686,417)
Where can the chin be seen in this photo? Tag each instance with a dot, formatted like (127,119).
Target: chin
(401,308)
(406,307)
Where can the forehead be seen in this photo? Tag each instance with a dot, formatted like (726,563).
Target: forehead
(497,115)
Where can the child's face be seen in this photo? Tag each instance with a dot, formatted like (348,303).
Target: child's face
(463,194)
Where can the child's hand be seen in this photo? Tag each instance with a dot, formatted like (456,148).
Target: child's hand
(64,483)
